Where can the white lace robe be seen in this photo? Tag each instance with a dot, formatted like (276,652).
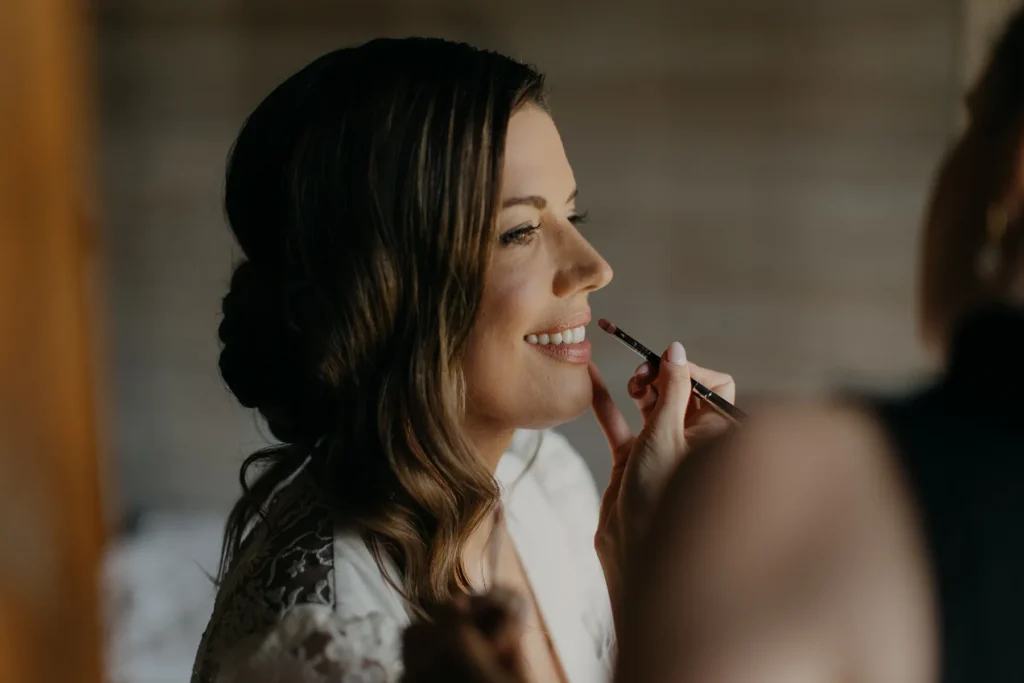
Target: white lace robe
(307,603)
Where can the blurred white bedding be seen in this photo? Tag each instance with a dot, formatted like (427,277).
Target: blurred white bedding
(159,595)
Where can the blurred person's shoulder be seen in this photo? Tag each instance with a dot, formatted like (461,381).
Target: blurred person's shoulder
(805,500)
(796,443)
(798,474)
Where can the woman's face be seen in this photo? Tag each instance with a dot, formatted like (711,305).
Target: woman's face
(526,361)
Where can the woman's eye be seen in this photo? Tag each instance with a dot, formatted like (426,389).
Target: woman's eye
(578,219)
(520,235)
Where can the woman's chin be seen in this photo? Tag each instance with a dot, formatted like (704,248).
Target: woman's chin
(568,407)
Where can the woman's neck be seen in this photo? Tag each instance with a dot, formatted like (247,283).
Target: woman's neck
(479,553)
(490,443)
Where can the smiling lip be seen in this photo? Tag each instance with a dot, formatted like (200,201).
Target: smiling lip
(578,354)
(580,320)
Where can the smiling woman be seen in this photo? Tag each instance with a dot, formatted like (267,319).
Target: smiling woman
(410,321)
(538,279)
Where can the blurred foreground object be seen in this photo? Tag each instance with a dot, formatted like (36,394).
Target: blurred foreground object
(475,639)
(50,529)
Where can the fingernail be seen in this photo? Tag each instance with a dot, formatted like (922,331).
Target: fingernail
(642,369)
(676,354)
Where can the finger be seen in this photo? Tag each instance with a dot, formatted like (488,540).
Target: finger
(641,379)
(648,402)
(718,382)
(613,424)
(641,390)
(645,397)
(674,391)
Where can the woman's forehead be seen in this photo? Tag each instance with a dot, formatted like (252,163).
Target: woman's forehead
(534,160)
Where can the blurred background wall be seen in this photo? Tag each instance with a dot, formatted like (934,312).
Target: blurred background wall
(755,172)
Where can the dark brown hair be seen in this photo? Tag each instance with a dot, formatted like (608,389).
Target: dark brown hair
(363,192)
(977,174)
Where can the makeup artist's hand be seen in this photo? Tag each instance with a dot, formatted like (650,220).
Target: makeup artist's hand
(641,463)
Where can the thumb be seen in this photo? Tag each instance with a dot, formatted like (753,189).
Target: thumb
(674,388)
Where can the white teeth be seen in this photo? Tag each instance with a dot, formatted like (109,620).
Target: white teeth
(572,336)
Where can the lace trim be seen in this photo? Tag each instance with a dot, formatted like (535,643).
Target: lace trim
(313,644)
(287,560)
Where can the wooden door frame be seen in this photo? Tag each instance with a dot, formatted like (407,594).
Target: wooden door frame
(50,508)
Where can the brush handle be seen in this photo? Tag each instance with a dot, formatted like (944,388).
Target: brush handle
(717,402)
(702,392)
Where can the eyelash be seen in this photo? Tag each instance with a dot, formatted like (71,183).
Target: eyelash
(523,234)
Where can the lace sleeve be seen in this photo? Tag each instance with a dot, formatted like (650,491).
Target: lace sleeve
(313,644)
(287,561)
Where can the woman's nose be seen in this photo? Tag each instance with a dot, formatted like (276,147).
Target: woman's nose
(583,269)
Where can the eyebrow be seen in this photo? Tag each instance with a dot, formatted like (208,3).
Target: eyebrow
(535,201)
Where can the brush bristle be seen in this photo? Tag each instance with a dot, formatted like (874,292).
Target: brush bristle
(606,325)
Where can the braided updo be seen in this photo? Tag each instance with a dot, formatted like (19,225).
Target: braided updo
(267,361)
(362,192)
